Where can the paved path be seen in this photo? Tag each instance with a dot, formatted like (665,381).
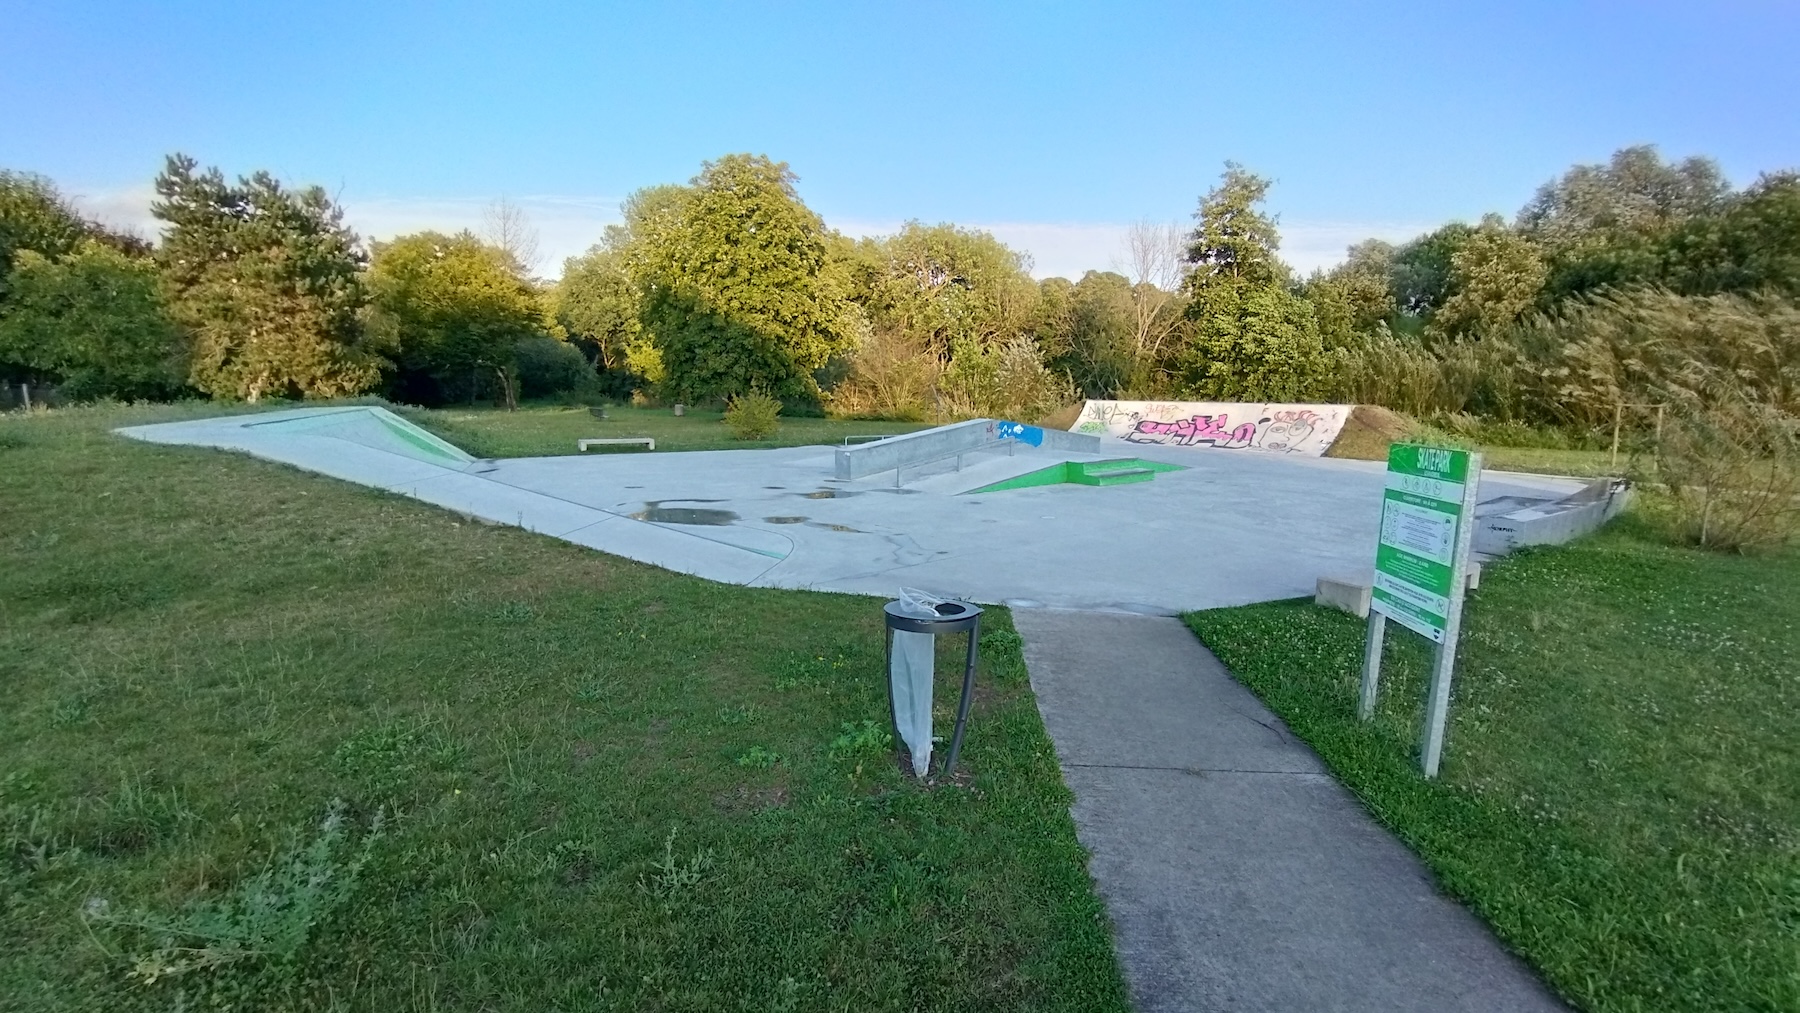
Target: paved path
(1239,875)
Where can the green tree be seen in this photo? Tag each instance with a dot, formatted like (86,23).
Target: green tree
(94,321)
(1495,277)
(1101,358)
(736,286)
(597,305)
(1355,297)
(1251,338)
(1264,348)
(940,284)
(267,280)
(1752,245)
(1420,275)
(452,310)
(1634,192)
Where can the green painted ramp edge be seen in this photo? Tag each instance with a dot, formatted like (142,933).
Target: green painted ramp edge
(1081,473)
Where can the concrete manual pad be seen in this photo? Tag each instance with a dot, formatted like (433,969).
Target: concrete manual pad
(1238,874)
(1228,529)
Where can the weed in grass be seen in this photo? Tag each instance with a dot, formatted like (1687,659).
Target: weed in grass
(388,757)
(759,758)
(513,612)
(860,739)
(269,916)
(742,714)
(671,875)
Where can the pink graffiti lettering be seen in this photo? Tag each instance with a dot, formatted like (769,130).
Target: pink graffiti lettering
(1195,429)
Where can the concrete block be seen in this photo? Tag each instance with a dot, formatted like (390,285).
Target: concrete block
(1350,595)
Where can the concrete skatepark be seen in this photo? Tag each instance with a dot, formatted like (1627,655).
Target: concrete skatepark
(1237,873)
(1229,528)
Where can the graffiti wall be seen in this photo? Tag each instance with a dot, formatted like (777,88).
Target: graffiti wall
(1270,428)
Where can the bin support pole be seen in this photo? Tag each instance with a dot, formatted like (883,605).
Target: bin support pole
(968,697)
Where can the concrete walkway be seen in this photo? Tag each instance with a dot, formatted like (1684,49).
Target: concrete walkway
(1239,875)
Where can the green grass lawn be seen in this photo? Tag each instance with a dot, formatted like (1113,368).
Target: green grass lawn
(542,430)
(1621,786)
(568,781)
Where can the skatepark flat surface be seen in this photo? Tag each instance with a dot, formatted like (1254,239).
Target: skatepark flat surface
(1234,527)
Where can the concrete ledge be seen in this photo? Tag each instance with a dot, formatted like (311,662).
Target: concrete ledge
(1351,596)
(648,442)
(930,444)
(1553,523)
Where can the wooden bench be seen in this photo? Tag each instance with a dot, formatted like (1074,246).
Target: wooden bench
(647,442)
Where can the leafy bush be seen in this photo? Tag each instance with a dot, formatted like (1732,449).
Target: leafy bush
(548,366)
(1006,380)
(753,416)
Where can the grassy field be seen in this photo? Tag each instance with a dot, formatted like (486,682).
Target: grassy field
(567,781)
(1619,789)
(543,430)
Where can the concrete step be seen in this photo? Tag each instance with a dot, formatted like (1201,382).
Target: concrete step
(1120,476)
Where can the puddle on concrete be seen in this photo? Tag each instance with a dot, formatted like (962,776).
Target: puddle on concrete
(774,487)
(831,494)
(814,524)
(902,492)
(655,512)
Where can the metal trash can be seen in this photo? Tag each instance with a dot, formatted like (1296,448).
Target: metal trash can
(952,617)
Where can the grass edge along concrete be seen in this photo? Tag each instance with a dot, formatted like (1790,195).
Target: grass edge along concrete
(1616,799)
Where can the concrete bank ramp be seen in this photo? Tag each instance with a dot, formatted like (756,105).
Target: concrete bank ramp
(372,446)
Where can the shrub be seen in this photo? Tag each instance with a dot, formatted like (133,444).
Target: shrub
(1733,474)
(1004,380)
(753,416)
(548,366)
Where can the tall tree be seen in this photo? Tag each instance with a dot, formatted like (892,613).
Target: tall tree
(1251,338)
(1634,192)
(1495,277)
(267,281)
(452,309)
(940,284)
(1420,275)
(597,305)
(736,287)
(506,226)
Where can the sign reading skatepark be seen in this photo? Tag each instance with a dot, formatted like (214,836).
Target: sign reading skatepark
(1224,425)
(1421,569)
(1416,563)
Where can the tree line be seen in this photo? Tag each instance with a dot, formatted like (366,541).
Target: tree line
(1632,281)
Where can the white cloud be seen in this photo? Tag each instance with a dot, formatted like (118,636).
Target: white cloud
(567,226)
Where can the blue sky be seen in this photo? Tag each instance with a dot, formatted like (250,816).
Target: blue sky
(1053,125)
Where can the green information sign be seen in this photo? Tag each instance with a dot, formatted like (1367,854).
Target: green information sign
(1421,568)
(1423,513)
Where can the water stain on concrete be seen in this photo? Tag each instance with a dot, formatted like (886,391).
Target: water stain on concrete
(784,520)
(831,494)
(655,512)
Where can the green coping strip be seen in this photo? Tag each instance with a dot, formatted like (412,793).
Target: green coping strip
(1066,472)
(421,439)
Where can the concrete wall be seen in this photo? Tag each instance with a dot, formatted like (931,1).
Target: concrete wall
(1271,428)
(930,444)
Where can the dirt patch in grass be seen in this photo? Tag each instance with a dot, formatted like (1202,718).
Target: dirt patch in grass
(1368,432)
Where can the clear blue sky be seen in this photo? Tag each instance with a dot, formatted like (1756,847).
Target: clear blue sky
(1056,116)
